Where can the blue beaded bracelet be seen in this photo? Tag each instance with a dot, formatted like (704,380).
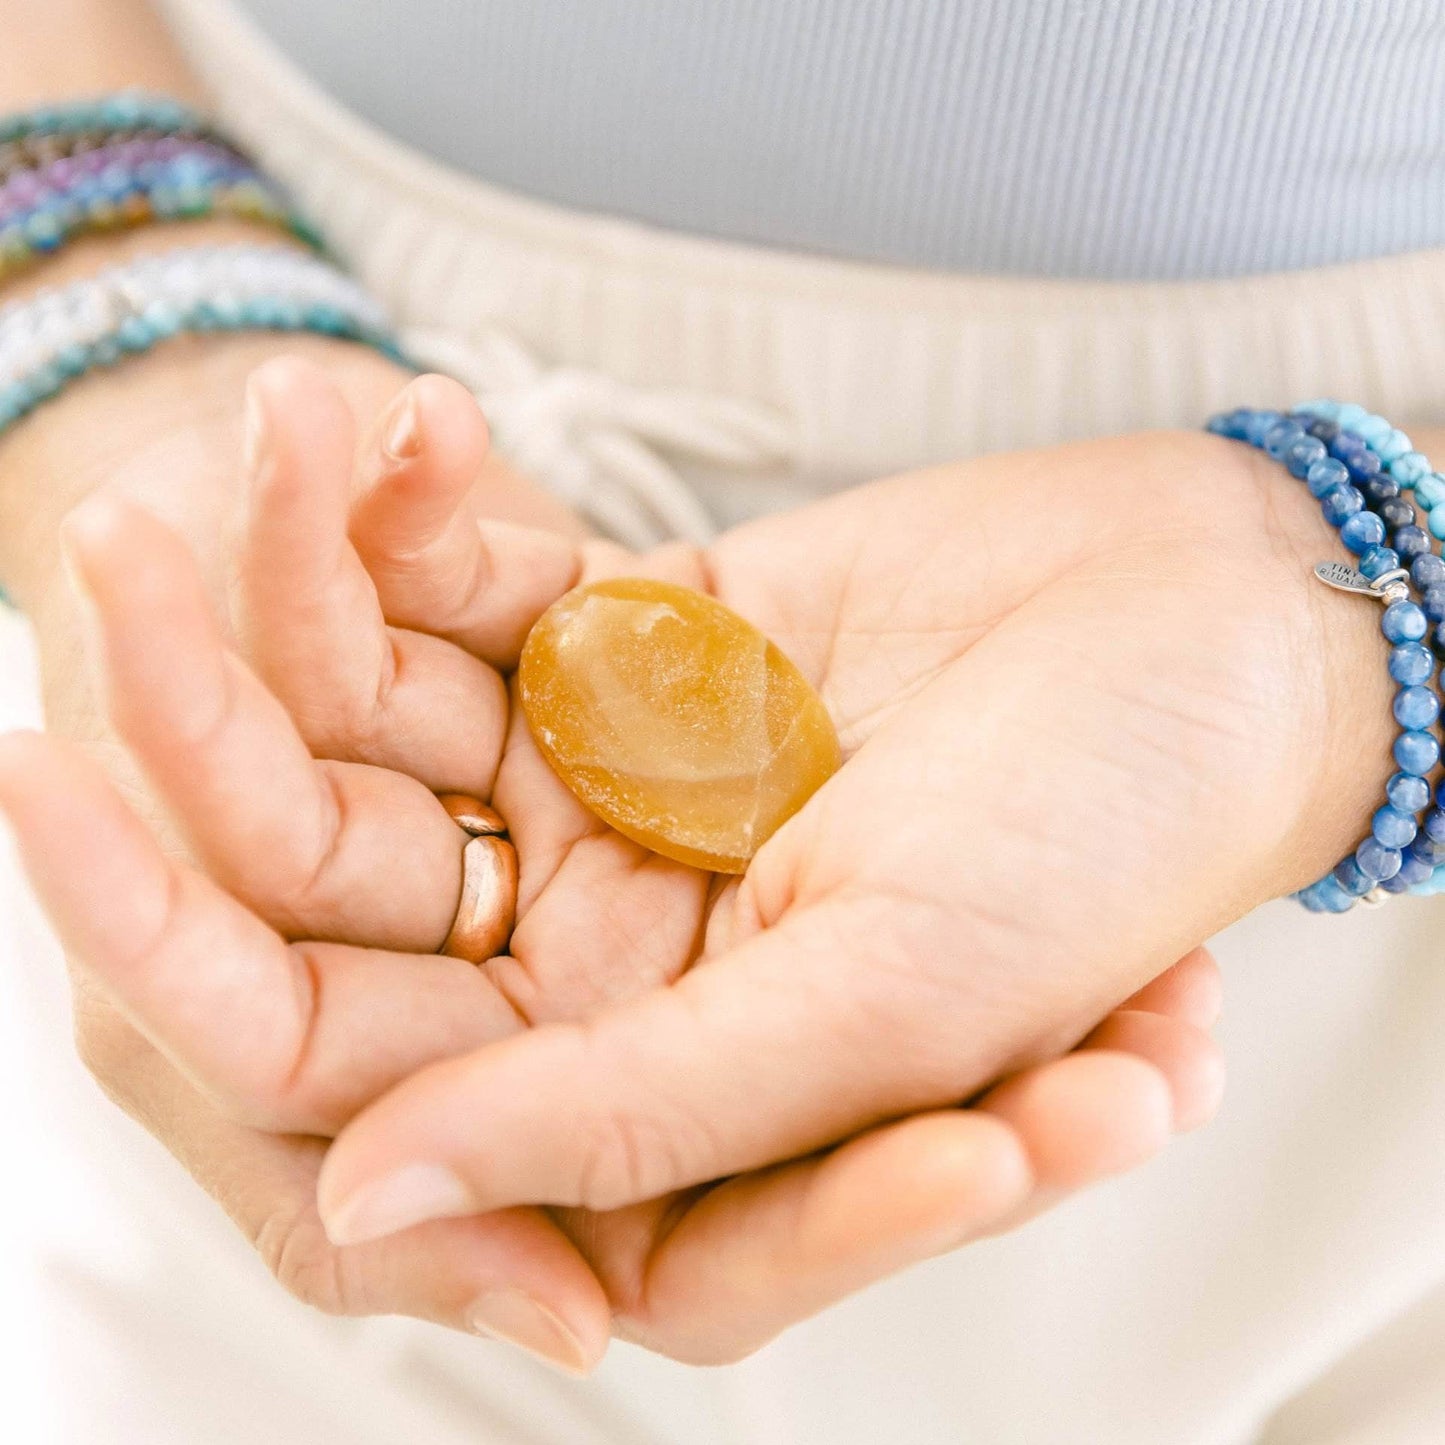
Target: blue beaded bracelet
(1358,467)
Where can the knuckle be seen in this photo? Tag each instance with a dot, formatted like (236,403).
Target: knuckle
(294,1247)
(616,1164)
(632,1153)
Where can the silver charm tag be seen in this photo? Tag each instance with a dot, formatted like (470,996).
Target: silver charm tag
(1343,576)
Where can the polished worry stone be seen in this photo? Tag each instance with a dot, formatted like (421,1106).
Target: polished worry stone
(673,719)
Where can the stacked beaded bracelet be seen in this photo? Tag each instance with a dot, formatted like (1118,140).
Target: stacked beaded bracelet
(127,110)
(1358,466)
(122,160)
(48,340)
(130,183)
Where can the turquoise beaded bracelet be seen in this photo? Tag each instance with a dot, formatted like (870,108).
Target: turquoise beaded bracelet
(127,110)
(1359,467)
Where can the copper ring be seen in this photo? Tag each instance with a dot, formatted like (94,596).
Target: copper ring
(488,906)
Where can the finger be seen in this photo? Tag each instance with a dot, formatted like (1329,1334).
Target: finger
(1191,1063)
(760,1253)
(333,850)
(308,617)
(1085,1117)
(293,1037)
(417,527)
(513,1274)
(640,1079)
(1191,991)
(773,1247)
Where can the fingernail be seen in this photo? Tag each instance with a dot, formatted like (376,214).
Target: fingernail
(84,527)
(510,1315)
(253,441)
(400,437)
(412,1195)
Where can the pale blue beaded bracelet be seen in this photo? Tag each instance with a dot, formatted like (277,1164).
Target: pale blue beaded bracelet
(1358,466)
(54,337)
(49,339)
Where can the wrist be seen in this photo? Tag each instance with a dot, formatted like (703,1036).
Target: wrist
(1345,694)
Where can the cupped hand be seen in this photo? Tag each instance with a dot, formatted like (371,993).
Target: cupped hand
(1094,706)
(268,1000)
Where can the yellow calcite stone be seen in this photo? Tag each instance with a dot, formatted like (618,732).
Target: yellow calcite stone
(674,720)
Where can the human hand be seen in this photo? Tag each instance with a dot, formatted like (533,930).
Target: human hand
(1074,750)
(243,1051)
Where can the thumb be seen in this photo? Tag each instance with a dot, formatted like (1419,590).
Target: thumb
(792,1040)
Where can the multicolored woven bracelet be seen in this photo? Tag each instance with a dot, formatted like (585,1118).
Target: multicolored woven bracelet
(131,183)
(1359,467)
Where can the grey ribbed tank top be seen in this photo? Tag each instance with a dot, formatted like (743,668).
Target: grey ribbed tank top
(1091,138)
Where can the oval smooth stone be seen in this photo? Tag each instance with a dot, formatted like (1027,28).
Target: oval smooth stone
(674,720)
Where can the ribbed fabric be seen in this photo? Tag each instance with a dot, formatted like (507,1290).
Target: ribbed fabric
(876,368)
(1128,139)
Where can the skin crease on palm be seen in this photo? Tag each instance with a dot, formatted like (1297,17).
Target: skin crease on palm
(1133,703)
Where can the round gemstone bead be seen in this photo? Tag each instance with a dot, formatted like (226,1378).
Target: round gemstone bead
(1342,504)
(1377,861)
(1410,541)
(1333,898)
(1433,824)
(1410,664)
(1427,570)
(1393,829)
(1408,793)
(1436,521)
(1373,430)
(1362,531)
(1352,878)
(1409,468)
(1430,491)
(1379,489)
(1303,454)
(1403,622)
(1376,561)
(1413,870)
(1392,447)
(1416,707)
(1281,437)
(1326,475)
(1363,464)
(1416,752)
(1397,512)
(1257,425)
(1433,601)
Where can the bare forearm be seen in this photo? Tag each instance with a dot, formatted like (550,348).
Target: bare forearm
(56,49)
